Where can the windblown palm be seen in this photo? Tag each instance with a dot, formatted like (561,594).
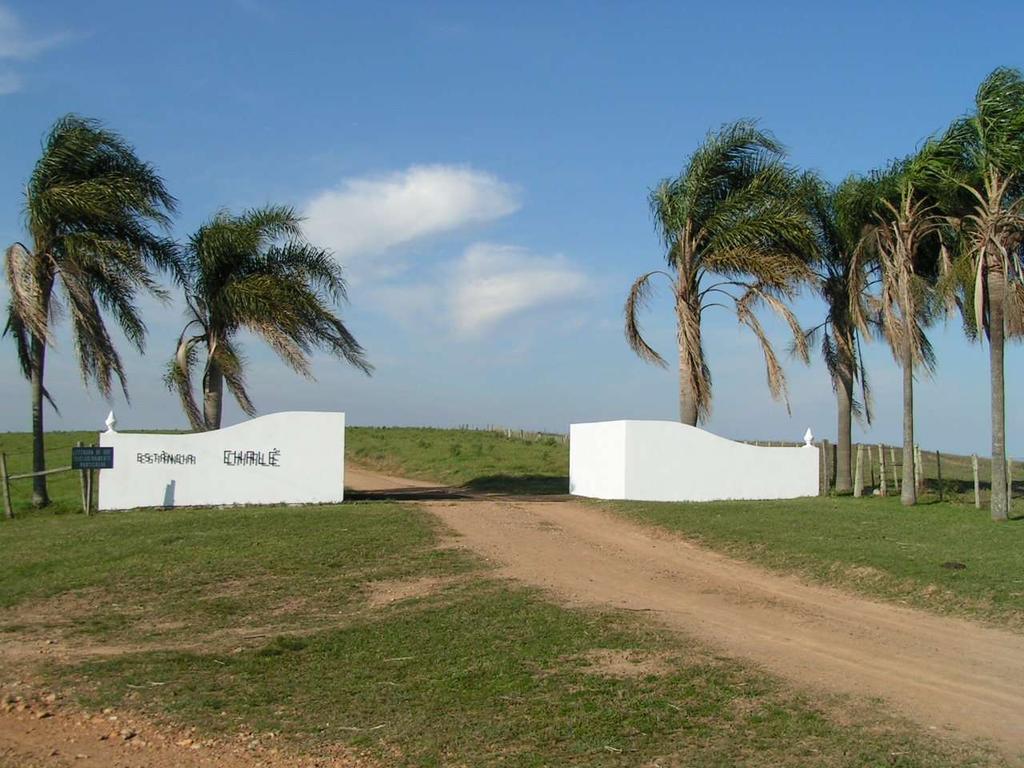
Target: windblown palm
(984,155)
(255,271)
(902,246)
(737,235)
(90,205)
(839,216)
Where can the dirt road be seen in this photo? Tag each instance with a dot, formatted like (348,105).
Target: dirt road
(943,673)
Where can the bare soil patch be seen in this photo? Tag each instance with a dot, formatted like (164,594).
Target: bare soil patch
(609,662)
(384,593)
(39,729)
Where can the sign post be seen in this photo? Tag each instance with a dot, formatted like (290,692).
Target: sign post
(88,459)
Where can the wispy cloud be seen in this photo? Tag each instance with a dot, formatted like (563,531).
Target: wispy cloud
(495,282)
(416,306)
(16,44)
(368,216)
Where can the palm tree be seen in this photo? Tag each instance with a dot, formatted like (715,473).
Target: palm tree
(255,271)
(90,206)
(983,154)
(736,235)
(839,216)
(901,242)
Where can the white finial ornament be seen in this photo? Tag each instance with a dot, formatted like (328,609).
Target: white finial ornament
(111,422)
(808,437)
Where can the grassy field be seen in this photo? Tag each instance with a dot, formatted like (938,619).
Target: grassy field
(353,625)
(478,459)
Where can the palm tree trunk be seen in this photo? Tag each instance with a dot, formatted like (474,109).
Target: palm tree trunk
(688,317)
(908,489)
(844,401)
(687,395)
(996,296)
(213,395)
(37,352)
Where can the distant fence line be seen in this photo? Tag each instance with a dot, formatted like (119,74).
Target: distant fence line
(516,434)
(877,469)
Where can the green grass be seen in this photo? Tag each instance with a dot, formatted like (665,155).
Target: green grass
(261,620)
(481,460)
(871,545)
(187,571)
(65,487)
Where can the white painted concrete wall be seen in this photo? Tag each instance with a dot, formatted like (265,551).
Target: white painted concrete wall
(597,455)
(296,457)
(669,461)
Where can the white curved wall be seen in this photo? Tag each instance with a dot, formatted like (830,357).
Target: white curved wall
(669,461)
(295,457)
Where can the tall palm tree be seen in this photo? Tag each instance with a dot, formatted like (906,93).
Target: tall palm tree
(839,215)
(983,154)
(90,208)
(901,244)
(256,272)
(736,235)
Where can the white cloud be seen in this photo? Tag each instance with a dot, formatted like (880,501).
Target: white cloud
(413,305)
(16,44)
(493,282)
(367,216)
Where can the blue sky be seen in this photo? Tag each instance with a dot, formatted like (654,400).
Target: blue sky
(481,169)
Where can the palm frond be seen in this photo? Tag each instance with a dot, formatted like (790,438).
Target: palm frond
(28,298)
(775,375)
(756,292)
(867,400)
(638,298)
(232,366)
(178,375)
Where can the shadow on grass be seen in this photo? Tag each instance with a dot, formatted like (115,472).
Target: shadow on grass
(412,493)
(487,485)
(521,485)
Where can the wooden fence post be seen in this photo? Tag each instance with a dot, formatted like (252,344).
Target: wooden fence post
(826,461)
(938,471)
(881,471)
(1009,485)
(858,473)
(84,483)
(8,509)
(90,475)
(977,483)
(821,469)
(918,470)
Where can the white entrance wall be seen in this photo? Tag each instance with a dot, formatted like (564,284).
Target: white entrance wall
(669,461)
(296,457)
